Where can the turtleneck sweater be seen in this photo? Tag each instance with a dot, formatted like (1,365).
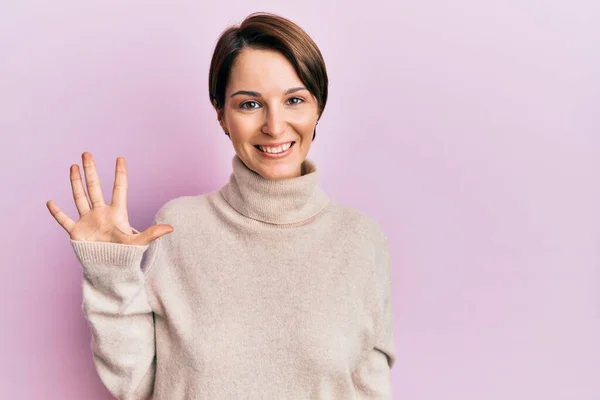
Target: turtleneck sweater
(266,289)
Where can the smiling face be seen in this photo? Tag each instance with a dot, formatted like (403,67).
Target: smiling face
(269,114)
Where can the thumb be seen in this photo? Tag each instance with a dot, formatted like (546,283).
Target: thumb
(152,233)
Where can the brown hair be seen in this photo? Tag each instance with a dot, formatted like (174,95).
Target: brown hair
(268,31)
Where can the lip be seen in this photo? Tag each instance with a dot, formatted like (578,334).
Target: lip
(275,144)
(278,155)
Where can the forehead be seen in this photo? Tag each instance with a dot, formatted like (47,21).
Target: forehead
(262,71)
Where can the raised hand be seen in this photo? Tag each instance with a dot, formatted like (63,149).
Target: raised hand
(100,222)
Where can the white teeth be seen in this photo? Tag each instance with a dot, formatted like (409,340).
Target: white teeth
(275,150)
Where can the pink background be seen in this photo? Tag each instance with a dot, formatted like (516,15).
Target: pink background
(469,129)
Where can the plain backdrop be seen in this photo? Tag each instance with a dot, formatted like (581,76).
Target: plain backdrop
(469,129)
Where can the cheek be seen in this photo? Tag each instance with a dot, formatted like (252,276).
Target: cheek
(243,125)
(305,119)
(306,126)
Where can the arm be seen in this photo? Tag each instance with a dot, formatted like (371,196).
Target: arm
(120,319)
(372,375)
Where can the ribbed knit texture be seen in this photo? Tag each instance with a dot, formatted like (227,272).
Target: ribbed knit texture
(265,290)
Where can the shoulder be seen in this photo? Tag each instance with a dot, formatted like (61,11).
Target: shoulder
(368,239)
(373,237)
(179,212)
(354,220)
(182,208)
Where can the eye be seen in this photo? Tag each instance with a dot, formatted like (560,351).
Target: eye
(242,106)
(296,102)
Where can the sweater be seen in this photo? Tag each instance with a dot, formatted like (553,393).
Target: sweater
(266,289)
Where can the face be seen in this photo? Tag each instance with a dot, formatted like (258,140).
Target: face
(269,114)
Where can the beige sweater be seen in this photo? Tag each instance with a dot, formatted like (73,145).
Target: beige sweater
(265,290)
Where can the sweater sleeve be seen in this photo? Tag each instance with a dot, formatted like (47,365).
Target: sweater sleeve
(372,375)
(119,316)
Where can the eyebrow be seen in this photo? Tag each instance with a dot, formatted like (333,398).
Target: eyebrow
(256,94)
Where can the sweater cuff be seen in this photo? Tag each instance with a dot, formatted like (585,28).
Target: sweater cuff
(108,253)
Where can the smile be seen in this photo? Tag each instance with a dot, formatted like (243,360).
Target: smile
(275,149)
(279,151)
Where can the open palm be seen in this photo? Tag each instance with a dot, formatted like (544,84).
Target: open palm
(98,221)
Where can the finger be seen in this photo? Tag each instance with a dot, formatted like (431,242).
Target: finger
(81,200)
(62,218)
(92,181)
(119,196)
(153,233)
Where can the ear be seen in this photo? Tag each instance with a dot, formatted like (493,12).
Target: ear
(220,117)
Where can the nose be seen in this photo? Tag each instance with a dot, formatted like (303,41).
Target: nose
(274,124)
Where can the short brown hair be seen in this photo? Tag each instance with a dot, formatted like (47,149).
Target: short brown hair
(273,32)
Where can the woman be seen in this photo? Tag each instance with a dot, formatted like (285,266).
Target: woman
(264,289)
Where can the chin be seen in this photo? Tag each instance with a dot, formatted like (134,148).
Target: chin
(286,168)
(273,169)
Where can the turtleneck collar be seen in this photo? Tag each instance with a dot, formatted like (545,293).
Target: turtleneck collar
(278,202)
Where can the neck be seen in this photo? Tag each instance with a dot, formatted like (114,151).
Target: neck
(279,202)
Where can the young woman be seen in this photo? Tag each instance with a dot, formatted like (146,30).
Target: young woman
(264,289)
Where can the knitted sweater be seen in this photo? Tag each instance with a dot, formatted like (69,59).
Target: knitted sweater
(264,290)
